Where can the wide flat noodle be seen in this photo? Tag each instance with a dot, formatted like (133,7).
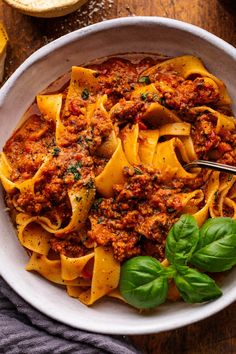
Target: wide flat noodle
(147,145)
(26,186)
(71,268)
(223,121)
(109,146)
(191,200)
(217,208)
(147,89)
(106,275)
(23,219)
(34,237)
(232,205)
(175,129)
(51,270)
(112,173)
(189,147)
(148,139)
(50,106)
(81,201)
(212,188)
(98,109)
(74,291)
(34,232)
(116,295)
(158,115)
(129,137)
(81,79)
(5,173)
(187,66)
(83,82)
(166,159)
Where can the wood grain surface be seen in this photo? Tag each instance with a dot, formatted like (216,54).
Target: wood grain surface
(216,334)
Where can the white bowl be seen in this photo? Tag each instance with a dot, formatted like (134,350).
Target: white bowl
(133,34)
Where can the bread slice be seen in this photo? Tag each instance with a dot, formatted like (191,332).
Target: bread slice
(46,8)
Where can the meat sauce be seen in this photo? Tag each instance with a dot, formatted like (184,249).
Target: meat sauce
(137,219)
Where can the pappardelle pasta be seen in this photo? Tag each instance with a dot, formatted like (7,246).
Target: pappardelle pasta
(95,175)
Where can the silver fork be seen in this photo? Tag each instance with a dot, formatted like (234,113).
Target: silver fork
(211,165)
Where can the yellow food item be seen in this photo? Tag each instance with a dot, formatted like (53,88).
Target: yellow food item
(44,8)
(3,46)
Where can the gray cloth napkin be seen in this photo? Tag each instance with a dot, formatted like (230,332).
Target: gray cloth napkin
(25,330)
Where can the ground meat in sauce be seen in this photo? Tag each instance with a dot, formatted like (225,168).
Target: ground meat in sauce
(72,247)
(209,145)
(143,209)
(137,219)
(26,155)
(191,94)
(117,78)
(70,166)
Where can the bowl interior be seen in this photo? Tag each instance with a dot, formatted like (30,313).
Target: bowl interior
(147,35)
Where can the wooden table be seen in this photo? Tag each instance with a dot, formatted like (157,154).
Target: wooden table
(214,335)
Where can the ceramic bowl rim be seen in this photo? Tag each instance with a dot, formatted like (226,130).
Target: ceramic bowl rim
(44,51)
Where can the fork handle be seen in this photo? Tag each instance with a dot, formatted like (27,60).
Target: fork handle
(211,165)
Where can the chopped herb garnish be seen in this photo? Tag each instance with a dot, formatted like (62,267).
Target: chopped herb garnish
(56,151)
(96,203)
(74,170)
(144,96)
(216,195)
(90,184)
(80,140)
(77,164)
(230,177)
(100,220)
(137,171)
(162,101)
(144,80)
(85,94)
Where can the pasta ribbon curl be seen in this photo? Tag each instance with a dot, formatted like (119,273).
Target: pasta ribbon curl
(112,173)
(105,278)
(189,66)
(166,160)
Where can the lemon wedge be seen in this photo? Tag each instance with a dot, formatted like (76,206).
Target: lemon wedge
(3,46)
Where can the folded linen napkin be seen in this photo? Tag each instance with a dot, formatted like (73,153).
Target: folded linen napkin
(25,330)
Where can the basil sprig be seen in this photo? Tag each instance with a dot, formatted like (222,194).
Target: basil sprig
(144,281)
(195,286)
(216,249)
(182,240)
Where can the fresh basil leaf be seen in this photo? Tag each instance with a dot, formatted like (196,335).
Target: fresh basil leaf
(214,229)
(195,286)
(143,282)
(182,240)
(170,271)
(216,250)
